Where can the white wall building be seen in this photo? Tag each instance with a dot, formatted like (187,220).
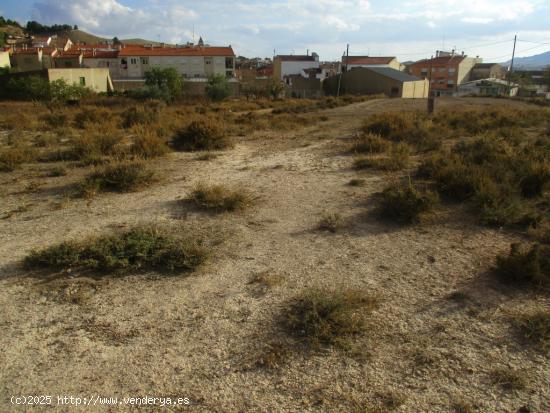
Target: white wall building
(286,65)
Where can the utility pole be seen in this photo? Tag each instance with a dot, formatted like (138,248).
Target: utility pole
(340,77)
(431,98)
(511,70)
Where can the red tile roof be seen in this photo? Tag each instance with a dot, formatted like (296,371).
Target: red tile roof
(100,54)
(367,60)
(176,51)
(440,61)
(69,53)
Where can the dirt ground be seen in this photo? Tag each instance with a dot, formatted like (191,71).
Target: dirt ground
(199,336)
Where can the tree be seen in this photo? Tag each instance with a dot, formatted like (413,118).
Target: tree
(167,82)
(75,27)
(275,88)
(217,88)
(116,41)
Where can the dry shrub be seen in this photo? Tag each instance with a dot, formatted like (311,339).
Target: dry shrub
(328,317)
(139,248)
(91,117)
(141,115)
(118,176)
(202,135)
(93,145)
(331,222)
(219,198)
(525,265)
(369,143)
(147,144)
(508,379)
(397,159)
(13,157)
(405,203)
(535,329)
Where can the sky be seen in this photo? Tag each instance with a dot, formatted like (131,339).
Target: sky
(410,30)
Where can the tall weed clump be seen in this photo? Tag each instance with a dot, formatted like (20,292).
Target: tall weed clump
(202,135)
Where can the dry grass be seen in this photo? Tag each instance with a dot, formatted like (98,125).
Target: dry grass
(203,135)
(508,379)
(118,176)
(328,317)
(534,328)
(331,222)
(219,198)
(397,159)
(369,143)
(13,157)
(526,265)
(140,248)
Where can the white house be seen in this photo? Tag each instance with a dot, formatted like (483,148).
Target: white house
(286,65)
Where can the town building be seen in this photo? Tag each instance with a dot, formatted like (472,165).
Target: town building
(349,62)
(286,65)
(487,71)
(488,87)
(4,59)
(190,62)
(376,80)
(26,59)
(448,70)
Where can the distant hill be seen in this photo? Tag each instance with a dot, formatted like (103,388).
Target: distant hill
(80,36)
(536,62)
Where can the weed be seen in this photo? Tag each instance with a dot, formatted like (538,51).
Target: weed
(525,265)
(140,248)
(274,355)
(200,136)
(357,182)
(405,203)
(328,317)
(508,379)
(206,156)
(13,157)
(369,143)
(330,222)
(218,198)
(91,117)
(397,160)
(139,115)
(535,329)
(57,171)
(148,145)
(120,176)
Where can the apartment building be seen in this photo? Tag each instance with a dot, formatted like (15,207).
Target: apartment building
(27,59)
(189,61)
(448,70)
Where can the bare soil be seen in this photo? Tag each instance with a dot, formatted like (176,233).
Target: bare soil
(200,336)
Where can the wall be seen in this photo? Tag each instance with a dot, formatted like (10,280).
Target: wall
(187,66)
(358,81)
(96,79)
(284,68)
(5,59)
(308,88)
(27,62)
(113,64)
(464,69)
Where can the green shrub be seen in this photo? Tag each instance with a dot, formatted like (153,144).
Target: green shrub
(202,135)
(217,88)
(140,248)
(525,265)
(164,83)
(218,198)
(405,203)
(120,176)
(328,317)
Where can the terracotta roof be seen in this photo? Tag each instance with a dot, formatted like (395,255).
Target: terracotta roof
(69,53)
(440,61)
(100,54)
(296,58)
(367,60)
(176,51)
(99,46)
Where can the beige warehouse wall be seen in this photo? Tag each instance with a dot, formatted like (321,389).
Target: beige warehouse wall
(96,79)
(415,90)
(4,59)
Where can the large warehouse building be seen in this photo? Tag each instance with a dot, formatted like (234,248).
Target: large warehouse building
(377,80)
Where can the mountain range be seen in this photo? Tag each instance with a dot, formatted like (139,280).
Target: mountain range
(536,62)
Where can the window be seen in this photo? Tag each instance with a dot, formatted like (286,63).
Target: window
(229,63)
(133,61)
(452,70)
(144,60)
(82,81)
(124,63)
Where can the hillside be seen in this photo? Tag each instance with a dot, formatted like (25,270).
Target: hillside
(536,62)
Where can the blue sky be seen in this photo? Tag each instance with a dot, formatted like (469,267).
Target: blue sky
(408,29)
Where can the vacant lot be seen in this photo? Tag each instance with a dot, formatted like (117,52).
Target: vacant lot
(286,291)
